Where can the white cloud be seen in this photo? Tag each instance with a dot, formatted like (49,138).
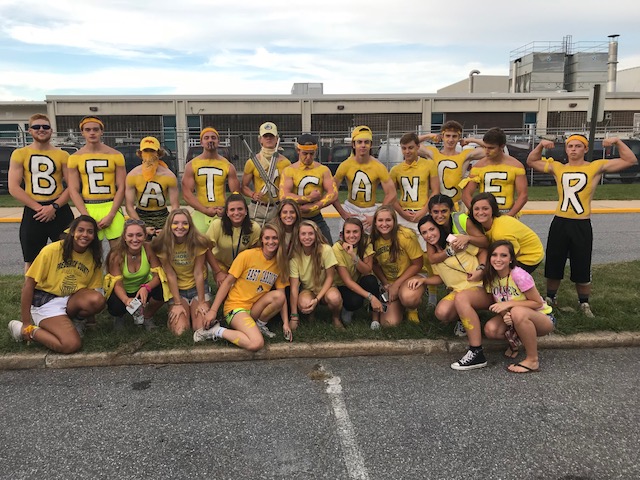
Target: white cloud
(199,46)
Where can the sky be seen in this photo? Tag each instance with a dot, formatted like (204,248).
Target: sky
(246,47)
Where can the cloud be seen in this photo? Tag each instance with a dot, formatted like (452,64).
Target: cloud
(202,47)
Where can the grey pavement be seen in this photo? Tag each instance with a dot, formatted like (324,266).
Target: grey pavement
(348,418)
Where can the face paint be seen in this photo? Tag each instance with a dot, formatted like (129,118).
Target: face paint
(248,322)
(149,164)
(466,323)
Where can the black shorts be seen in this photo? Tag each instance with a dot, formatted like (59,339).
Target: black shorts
(569,239)
(34,234)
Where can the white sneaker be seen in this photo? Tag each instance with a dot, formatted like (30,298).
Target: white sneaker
(585,308)
(201,334)
(375,325)
(15,329)
(459,330)
(346,316)
(265,331)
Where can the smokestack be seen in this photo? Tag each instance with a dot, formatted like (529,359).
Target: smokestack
(612,63)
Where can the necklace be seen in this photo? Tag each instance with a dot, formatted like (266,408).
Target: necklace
(504,294)
(459,263)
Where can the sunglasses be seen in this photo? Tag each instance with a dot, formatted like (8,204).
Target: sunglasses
(38,127)
(133,221)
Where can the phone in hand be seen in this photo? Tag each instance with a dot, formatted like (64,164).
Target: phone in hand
(134,305)
(451,238)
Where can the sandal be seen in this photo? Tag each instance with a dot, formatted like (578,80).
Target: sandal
(511,353)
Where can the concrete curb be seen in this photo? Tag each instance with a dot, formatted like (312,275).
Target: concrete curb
(211,354)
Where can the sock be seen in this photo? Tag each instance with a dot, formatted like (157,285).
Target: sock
(218,334)
(475,349)
(552,293)
(583,298)
(260,323)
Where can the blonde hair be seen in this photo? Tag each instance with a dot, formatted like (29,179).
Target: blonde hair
(282,259)
(316,254)
(165,242)
(38,116)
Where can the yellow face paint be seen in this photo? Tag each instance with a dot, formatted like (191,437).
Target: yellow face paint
(466,323)
(236,341)
(174,226)
(248,322)
(149,164)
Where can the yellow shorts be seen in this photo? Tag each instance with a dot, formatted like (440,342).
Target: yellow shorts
(100,210)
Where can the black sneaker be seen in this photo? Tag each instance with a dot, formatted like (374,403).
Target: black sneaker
(472,359)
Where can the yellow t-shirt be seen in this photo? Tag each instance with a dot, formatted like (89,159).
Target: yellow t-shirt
(499,180)
(255,276)
(576,185)
(305,180)
(362,180)
(345,260)
(453,270)
(210,178)
(412,181)
(42,172)
(97,174)
(184,266)
(54,276)
(409,250)
(152,195)
(225,248)
(526,244)
(258,182)
(450,173)
(301,267)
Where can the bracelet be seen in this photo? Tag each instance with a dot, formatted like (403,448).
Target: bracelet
(294,315)
(480,267)
(356,260)
(147,287)
(369,297)
(450,251)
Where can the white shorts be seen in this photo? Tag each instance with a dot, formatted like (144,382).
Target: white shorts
(413,226)
(53,308)
(358,212)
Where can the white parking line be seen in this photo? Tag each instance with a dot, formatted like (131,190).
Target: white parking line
(350,450)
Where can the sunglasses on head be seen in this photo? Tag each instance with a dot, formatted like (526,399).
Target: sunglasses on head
(38,127)
(133,221)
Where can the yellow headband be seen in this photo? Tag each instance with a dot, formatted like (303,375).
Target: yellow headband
(579,138)
(209,129)
(308,148)
(91,119)
(361,132)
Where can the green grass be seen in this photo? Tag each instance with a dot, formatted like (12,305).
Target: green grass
(617,308)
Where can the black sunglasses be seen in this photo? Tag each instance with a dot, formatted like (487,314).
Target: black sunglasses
(38,127)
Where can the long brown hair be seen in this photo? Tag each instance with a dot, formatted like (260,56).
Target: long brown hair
(95,246)
(489,276)
(361,246)
(394,248)
(296,225)
(164,244)
(119,250)
(316,254)
(282,258)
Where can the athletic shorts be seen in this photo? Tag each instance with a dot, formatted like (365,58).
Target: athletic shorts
(358,212)
(153,218)
(414,227)
(100,210)
(56,307)
(34,234)
(229,315)
(569,239)
(200,221)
